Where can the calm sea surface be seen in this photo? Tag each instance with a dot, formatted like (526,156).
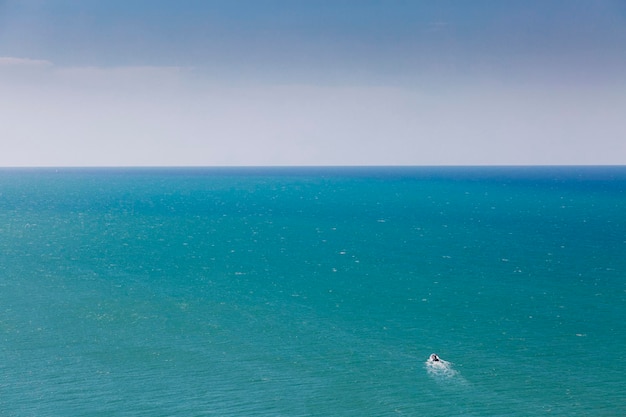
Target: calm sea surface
(313,292)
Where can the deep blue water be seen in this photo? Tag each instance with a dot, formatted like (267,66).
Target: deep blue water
(313,291)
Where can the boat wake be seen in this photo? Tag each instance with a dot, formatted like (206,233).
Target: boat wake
(442,370)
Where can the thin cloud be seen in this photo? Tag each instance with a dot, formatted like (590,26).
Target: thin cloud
(129,77)
(9,61)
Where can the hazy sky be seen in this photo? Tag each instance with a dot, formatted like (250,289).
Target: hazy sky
(312,82)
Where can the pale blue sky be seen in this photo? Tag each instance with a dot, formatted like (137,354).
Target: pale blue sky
(284,82)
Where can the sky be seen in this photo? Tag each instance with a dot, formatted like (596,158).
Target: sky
(312,82)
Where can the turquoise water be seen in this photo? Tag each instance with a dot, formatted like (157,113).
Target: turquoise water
(313,292)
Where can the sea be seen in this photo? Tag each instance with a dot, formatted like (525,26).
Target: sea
(313,291)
